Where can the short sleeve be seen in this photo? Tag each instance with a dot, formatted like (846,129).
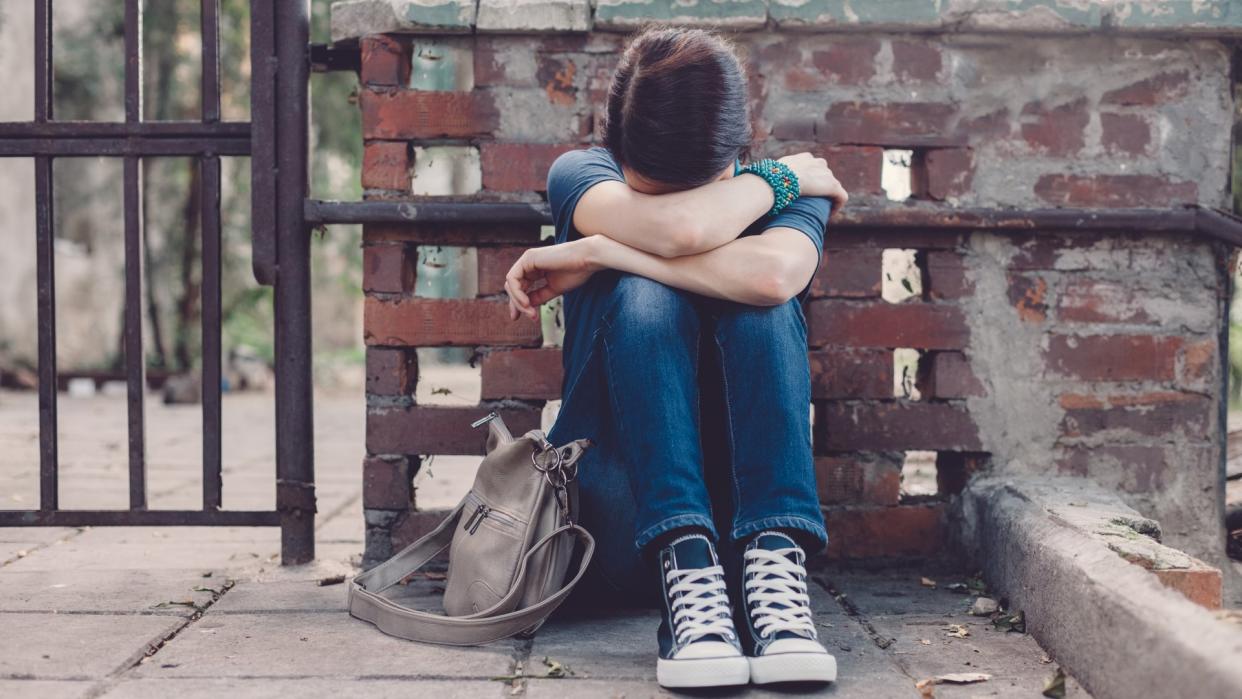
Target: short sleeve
(570,176)
(808,215)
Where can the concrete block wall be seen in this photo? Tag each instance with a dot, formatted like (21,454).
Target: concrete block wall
(1049,351)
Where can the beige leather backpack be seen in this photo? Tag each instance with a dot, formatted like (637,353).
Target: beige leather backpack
(510,544)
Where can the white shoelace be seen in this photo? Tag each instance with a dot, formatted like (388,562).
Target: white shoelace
(776,593)
(700,604)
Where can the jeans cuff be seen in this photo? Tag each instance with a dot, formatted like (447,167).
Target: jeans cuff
(814,530)
(668,524)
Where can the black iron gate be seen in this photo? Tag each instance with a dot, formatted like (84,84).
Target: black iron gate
(276,140)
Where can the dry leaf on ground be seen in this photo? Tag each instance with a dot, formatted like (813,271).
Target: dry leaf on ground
(928,582)
(963,678)
(1055,686)
(956,631)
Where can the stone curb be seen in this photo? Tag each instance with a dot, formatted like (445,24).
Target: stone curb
(1111,624)
(352,19)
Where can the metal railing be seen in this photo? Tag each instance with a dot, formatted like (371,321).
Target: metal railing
(276,139)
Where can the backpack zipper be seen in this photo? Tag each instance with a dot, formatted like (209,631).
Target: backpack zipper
(482,512)
(479,514)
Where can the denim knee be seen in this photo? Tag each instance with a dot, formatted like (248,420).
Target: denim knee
(784,324)
(647,310)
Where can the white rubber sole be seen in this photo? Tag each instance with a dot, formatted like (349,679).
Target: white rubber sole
(703,672)
(793,667)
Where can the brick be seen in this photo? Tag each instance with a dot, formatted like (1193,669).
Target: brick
(391,372)
(422,322)
(873,479)
(889,124)
(944,275)
(518,167)
(885,532)
(384,61)
(450,233)
(414,525)
(534,16)
(1199,361)
(949,172)
(1087,300)
(1161,414)
(1151,91)
(388,269)
(839,373)
(1058,130)
(439,429)
(915,61)
(994,125)
(489,68)
(532,374)
(359,18)
(626,15)
(1147,191)
(884,426)
(386,165)
(954,470)
(387,483)
(1029,295)
(418,114)
(949,375)
(857,167)
(494,264)
(1113,357)
(917,325)
(795,127)
(1047,250)
(1125,133)
(1201,584)
(844,61)
(556,75)
(849,273)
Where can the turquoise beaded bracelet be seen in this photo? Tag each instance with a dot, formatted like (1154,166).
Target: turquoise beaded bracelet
(781,178)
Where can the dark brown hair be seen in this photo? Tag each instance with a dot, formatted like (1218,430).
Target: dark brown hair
(677,107)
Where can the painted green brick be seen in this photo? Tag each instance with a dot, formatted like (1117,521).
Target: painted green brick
(630,14)
(1179,14)
(825,13)
(356,18)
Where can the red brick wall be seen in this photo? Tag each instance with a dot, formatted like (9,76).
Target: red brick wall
(1083,326)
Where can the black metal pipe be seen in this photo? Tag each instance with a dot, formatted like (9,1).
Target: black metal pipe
(209,92)
(119,147)
(108,130)
(137,518)
(263,70)
(135,357)
(295,457)
(209,193)
(45,265)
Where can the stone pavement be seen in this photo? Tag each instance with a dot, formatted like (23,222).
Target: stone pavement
(153,612)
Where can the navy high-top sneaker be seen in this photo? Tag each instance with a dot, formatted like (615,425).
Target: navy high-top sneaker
(698,644)
(778,631)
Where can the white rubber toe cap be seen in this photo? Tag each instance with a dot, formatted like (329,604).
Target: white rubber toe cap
(794,645)
(707,649)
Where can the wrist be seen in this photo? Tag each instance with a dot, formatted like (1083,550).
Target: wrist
(595,251)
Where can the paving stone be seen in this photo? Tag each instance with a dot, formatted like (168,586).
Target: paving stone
(76,646)
(534,15)
(138,591)
(44,689)
(173,548)
(612,645)
(34,535)
(311,688)
(297,644)
(307,596)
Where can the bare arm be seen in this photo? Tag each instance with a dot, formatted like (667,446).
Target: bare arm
(696,220)
(677,223)
(759,270)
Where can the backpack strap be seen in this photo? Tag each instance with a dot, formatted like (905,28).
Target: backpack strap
(366,602)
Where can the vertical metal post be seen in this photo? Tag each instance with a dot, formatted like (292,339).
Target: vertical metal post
(209,195)
(49,496)
(135,358)
(295,467)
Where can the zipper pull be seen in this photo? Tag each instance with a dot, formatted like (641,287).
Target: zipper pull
(477,518)
(483,421)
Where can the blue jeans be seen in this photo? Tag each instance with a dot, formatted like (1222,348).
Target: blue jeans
(699,411)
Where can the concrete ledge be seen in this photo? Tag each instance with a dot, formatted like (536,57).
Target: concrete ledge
(1047,544)
(352,19)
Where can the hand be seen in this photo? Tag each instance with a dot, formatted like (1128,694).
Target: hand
(542,274)
(815,179)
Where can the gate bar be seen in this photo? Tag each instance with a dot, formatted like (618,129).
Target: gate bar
(45,251)
(295,454)
(209,227)
(135,359)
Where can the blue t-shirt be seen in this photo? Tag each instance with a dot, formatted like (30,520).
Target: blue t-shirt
(575,172)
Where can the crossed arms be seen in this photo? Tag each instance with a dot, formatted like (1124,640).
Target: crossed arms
(687,239)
